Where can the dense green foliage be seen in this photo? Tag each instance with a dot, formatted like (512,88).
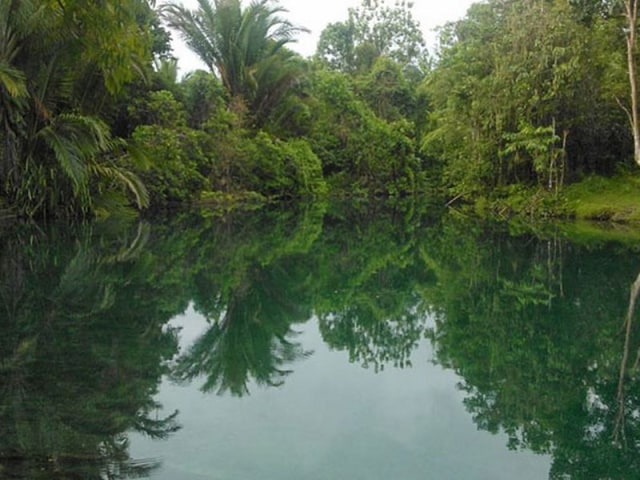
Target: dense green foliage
(526,93)
(58,64)
(359,150)
(520,97)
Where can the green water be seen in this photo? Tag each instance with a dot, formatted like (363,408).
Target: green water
(316,343)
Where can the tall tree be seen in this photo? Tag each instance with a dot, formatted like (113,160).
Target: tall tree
(518,92)
(631,17)
(628,10)
(373,29)
(245,47)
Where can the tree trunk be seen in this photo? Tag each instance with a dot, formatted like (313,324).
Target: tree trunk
(631,15)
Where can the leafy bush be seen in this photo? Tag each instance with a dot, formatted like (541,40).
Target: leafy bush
(158,108)
(281,168)
(358,149)
(177,161)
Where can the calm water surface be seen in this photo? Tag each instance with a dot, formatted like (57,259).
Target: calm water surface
(320,343)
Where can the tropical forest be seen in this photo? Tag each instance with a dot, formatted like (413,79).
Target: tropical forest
(394,258)
(525,107)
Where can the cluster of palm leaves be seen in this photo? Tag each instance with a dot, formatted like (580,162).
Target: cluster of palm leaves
(55,71)
(246,48)
(59,66)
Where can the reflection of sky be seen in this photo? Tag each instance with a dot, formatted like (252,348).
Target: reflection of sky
(333,420)
(191,326)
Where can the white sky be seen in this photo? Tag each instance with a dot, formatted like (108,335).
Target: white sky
(317,14)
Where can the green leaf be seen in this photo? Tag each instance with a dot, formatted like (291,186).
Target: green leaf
(13,80)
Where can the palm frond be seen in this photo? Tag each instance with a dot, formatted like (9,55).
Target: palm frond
(13,80)
(74,140)
(125,177)
(167,69)
(239,45)
(192,31)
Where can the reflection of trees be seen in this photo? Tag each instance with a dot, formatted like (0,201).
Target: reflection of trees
(252,339)
(85,340)
(366,287)
(619,433)
(530,326)
(250,285)
(538,352)
(80,359)
(258,275)
(533,327)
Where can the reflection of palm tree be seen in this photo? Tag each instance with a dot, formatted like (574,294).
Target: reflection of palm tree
(251,340)
(78,362)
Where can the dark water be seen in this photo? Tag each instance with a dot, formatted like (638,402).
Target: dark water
(320,343)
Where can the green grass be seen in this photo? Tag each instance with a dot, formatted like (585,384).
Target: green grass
(615,199)
(594,211)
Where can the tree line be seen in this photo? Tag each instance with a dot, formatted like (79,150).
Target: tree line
(94,118)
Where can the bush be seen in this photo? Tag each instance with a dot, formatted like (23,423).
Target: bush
(176,163)
(358,150)
(281,168)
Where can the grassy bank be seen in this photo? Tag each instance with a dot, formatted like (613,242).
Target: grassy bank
(615,199)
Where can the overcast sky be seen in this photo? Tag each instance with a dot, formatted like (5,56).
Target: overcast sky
(316,14)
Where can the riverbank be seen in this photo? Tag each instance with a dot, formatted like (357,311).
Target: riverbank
(614,200)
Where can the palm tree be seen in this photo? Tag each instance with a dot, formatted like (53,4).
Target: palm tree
(15,26)
(52,153)
(242,46)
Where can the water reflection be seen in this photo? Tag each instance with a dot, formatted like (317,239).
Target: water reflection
(541,331)
(536,332)
(80,357)
(252,338)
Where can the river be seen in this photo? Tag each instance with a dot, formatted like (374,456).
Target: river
(318,342)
